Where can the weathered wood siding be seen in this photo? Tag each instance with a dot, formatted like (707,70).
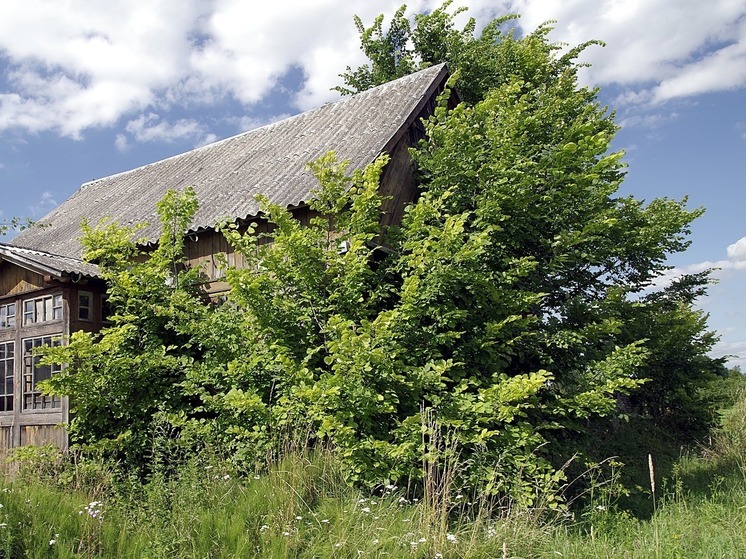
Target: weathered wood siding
(15,280)
(398,183)
(39,435)
(209,251)
(398,186)
(5,439)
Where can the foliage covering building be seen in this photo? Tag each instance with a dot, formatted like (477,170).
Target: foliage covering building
(47,291)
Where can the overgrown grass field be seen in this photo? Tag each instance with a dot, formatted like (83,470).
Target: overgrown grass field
(302,507)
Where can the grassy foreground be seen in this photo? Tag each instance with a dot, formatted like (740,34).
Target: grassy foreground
(302,508)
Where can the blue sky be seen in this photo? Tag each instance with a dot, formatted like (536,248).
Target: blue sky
(91,89)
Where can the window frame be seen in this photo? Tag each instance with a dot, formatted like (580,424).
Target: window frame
(32,400)
(88,307)
(7,376)
(7,320)
(35,310)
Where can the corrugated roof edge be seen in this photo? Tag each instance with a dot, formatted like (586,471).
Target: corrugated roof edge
(47,263)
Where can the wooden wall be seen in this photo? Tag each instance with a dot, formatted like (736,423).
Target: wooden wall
(39,435)
(398,185)
(210,252)
(5,439)
(15,280)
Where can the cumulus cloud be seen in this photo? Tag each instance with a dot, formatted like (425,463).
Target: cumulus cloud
(735,261)
(151,128)
(675,48)
(737,251)
(45,203)
(72,66)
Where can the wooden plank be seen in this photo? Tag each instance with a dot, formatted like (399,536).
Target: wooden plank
(5,440)
(40,435)
(398,185)
(15,280)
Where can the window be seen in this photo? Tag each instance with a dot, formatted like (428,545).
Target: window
(7,350)
(34,373)
(85,306)
(8,315)
(42,309)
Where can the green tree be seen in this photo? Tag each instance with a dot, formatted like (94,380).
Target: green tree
(126,379)
(525,163)
(681,394)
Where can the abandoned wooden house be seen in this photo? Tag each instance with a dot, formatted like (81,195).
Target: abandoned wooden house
(47,291)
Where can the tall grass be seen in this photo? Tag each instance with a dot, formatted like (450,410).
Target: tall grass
(301,507)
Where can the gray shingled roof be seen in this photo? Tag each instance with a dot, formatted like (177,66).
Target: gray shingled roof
(227,175)
(46,263)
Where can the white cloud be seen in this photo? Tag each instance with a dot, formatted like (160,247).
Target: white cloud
(43,205)
(648,120)
(668,48)
(151,128)
(737,251)
(736,261)
(121,143)
(75,65)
